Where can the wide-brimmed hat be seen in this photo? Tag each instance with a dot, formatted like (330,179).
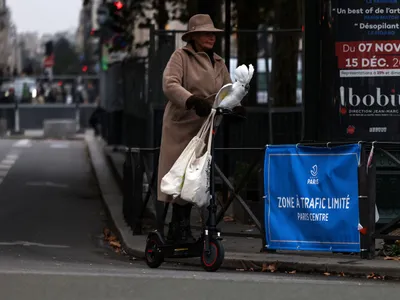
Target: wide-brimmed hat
(199,23)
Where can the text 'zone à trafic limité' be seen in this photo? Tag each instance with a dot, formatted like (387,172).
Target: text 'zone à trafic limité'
(313,203)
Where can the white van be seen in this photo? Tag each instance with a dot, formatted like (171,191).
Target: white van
(29,84)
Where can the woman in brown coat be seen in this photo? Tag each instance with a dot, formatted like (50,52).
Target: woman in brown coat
(191,79)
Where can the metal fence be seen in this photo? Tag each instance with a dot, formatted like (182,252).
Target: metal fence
(32,117)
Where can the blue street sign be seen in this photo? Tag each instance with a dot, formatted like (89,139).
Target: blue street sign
(311,198)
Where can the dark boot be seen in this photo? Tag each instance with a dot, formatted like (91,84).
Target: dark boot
(186,233)
(174,233)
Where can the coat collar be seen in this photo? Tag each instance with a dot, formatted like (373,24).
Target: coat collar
(189,48)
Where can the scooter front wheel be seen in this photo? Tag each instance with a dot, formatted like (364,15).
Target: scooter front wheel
(153,255)
(213,259)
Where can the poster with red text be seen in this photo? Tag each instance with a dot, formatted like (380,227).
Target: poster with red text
(366,36)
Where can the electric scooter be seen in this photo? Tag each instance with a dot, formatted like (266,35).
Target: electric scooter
(208,246)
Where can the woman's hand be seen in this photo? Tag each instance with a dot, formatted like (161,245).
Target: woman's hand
(239,110)
(200,105)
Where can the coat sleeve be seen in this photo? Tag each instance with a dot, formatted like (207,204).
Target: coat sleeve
(172,81)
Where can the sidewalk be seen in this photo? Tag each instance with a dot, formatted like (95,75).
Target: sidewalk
(241,252)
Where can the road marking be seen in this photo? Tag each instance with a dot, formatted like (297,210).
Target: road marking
(29,244)
(47,183)
(59,145)
(25,143)
(6,164)
(12,156)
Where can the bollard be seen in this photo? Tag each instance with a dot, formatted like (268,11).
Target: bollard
(78,118)
(127,199)
(17,130)
(137,186)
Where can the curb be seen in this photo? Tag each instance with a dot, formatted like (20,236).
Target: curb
(111,195)
(134,244)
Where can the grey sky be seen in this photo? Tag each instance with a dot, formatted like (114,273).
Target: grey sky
(45,16)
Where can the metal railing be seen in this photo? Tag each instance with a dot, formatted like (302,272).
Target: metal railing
(19,117)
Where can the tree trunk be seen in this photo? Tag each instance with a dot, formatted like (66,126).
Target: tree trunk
(248,19)
(285,54)
(162,14)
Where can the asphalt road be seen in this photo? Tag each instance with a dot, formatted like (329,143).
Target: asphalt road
(51,247)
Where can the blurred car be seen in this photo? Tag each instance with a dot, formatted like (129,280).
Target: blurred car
(25,89)
(7,92)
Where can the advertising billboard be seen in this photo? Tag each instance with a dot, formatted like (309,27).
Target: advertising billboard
(365,35)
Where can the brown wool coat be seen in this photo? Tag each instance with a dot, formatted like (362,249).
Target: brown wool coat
(187,73)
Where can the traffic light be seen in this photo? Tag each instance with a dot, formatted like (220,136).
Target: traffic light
(84,69)
(114,15)
(117,17)
(118,5)
(48,48)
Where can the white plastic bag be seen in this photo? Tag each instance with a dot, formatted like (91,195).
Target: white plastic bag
(172,182)
(196,185)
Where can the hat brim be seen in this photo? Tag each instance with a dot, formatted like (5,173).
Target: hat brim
(186,35)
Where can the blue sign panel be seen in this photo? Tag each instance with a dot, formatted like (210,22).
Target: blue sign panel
(311,198)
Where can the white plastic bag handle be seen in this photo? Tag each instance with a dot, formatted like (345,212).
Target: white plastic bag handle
(210,135)
(206,125)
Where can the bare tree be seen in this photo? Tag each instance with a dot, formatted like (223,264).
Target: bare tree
(5,47)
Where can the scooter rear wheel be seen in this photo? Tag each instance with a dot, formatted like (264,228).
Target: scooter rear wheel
(212,261)
(153,255)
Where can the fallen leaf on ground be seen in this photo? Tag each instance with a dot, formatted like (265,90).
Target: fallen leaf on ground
(112,238)
(392,258)
(327,274)
(106,232)
(228,219)
(267,267)
(115,244)
(264,268)
(374,276)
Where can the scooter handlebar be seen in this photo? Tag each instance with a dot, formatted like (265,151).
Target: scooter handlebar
(227,112)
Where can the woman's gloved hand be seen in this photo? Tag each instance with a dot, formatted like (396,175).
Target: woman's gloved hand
(239,110)
(200,105)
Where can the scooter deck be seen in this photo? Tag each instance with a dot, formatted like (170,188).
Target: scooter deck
(182,250)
